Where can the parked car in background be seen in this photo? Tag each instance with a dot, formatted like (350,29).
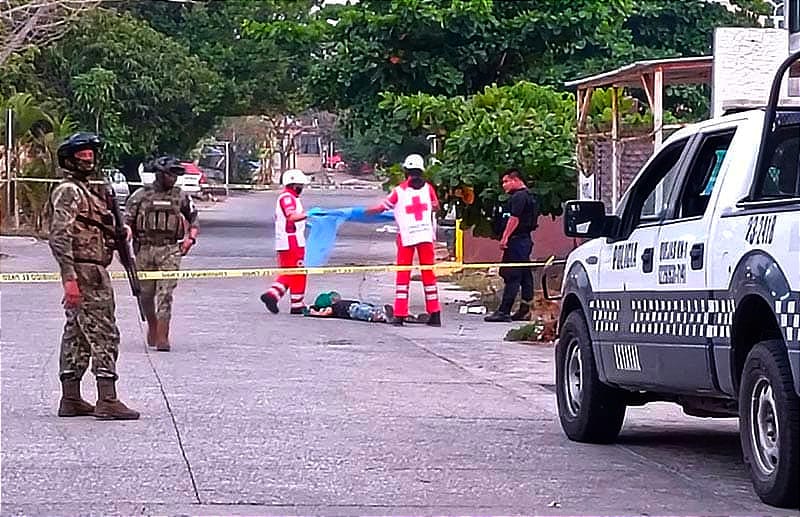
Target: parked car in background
(120,185)
(189,182)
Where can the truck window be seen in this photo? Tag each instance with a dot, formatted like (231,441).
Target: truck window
(702,175)
(650,196)
(782,179)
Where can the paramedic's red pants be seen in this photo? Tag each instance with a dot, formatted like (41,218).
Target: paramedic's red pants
(296,284)
(405,257)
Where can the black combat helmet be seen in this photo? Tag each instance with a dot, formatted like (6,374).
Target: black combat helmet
(74,143)
(169,165)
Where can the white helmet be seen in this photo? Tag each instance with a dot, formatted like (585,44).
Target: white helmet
(295,177)
(414,161)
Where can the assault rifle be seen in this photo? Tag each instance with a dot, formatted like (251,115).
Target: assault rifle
(123,247)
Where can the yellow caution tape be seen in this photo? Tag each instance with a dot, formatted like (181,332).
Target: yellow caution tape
(201,274)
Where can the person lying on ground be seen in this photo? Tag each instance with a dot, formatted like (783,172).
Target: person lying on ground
(331,305)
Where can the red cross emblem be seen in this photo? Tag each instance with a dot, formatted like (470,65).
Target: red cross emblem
(417,207)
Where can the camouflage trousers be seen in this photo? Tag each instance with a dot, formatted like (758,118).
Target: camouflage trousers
(157,294)
(91,329)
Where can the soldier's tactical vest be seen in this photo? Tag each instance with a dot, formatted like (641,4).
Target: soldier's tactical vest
(158,220)
(93,238)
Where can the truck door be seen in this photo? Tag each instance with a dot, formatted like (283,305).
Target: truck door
(688,315)
(628,263)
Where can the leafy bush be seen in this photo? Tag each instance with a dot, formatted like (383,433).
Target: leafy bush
(526,126)
(529,332)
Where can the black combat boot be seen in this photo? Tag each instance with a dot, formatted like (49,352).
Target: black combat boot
(523,313)
(108,406)
(399,321)
(435,319)
(497,317)
(72,404)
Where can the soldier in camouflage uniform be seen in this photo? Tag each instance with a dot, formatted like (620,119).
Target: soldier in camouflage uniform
(82,242)
(159,215)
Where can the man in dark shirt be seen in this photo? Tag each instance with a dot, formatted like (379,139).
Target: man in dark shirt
(518,221)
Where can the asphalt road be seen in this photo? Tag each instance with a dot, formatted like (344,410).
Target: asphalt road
(254,413)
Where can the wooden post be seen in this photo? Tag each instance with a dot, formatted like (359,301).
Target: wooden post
(658,107)
(584,99)
(615,158)
(647,84)
(579,104)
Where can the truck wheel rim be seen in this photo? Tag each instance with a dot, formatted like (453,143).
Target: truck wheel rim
(764,427)
(573,377)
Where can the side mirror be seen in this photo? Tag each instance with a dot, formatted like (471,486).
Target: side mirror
(587,219)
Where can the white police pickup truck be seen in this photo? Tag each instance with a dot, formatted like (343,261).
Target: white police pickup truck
(690,292)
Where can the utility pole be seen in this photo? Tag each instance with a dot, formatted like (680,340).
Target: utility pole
(10,184)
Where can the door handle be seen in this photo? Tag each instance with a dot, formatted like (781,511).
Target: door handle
(696,254)
(647,260)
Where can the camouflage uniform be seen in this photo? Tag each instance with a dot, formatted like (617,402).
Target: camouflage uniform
(157,294)
(159,219)
(81,240)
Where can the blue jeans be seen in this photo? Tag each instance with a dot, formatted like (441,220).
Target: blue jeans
(367,312)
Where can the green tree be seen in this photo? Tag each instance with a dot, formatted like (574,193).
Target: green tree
(19,74)
(264,74)
(455,47)
(439,47)
(94,90)
(527,126)
(155,96)
(37,134)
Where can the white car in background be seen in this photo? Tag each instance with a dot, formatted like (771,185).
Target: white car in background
(120,185)
(189,182)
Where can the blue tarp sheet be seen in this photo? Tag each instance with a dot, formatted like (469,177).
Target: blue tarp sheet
(325,223)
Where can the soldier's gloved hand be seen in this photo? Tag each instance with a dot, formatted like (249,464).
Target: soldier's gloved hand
(128,233)
(72,295)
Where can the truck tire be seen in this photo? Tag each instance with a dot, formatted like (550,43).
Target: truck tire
(589,410)
(769,425)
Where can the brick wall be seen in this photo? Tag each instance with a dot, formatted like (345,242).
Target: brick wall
(634,152)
